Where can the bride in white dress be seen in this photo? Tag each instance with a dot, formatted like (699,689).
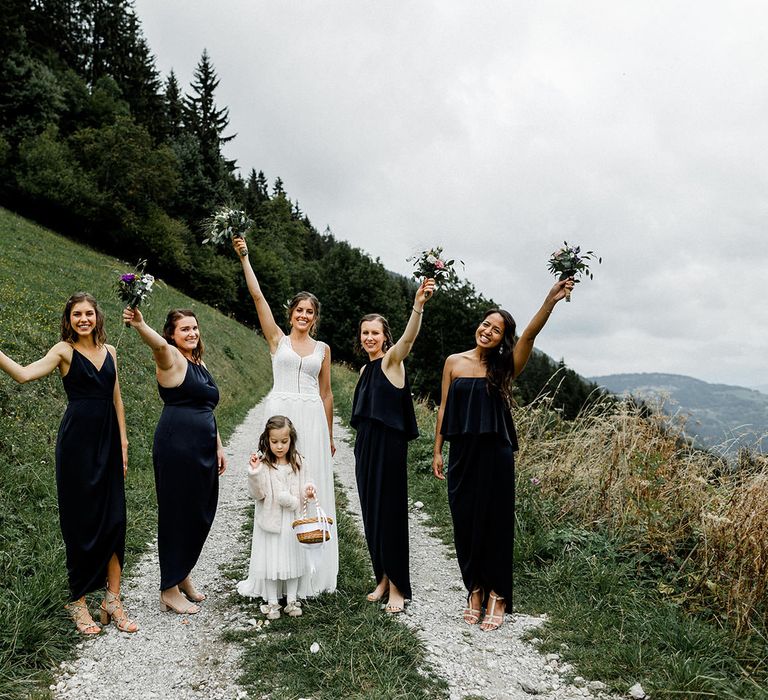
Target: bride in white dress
(301,390)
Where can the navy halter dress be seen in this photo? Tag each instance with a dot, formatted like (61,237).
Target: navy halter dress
(186,472)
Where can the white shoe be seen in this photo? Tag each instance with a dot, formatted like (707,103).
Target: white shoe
(293,609)
(272,611)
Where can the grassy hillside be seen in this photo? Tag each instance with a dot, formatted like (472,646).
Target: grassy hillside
(39,271)
(719,416)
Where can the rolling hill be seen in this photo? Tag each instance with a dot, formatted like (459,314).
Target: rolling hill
(718,416)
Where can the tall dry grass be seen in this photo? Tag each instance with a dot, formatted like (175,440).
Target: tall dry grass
(619,469)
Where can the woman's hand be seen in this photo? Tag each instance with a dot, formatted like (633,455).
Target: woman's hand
(221,460)
(309,491)
(333,448)
(557,293)
(240,246)
(132,316)
(423,293)
(437,466)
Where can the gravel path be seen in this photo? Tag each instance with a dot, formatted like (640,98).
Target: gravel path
(181,657)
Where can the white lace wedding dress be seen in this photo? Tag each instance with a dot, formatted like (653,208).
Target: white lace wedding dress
(295,393)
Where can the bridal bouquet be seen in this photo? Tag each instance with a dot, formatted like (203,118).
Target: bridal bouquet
(133,288)
(569,261)
(225,224)
(430,265)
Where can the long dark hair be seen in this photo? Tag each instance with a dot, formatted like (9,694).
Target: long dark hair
(305,296)
(277,423)
(68,333)
(170,326)
(388,340)
(500,361)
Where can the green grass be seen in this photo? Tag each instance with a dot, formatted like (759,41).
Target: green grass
(39,271)
(602,604)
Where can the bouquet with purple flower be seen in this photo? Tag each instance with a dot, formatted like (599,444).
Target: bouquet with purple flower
(133,288)
(225,224)
(569,261)
(430,264)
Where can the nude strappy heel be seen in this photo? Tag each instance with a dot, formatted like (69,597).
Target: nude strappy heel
(82,618)
(492,620)
(112,609)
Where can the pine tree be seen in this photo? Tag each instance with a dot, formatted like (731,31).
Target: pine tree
(174,108)
(140,81)
(113,46)
(262,185)
(277,188)
(206,121)
(54,31)
(254,194)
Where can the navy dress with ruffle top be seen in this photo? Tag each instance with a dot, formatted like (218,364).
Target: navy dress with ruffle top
(481,484)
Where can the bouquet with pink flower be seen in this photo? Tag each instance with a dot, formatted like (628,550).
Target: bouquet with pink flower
(431,264)
(225,224)
(569,261)
(133,288)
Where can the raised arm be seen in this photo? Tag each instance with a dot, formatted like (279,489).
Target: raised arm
(402,348)
(171,365)
(117,399)
(524,345)
(60,355)
(272,332)
(437,456)
(324,386)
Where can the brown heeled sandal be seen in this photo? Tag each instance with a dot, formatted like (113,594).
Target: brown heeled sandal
(112,609)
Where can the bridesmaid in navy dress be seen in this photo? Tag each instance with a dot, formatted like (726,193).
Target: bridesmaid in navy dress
(382,414)
(474,417)
(91,459)
(187,453)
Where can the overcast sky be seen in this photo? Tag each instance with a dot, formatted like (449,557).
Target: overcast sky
(499,129)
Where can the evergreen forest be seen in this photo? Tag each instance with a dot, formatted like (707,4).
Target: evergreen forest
(96,144)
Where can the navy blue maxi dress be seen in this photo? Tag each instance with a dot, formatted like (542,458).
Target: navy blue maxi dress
(89,475)
(385,421)
(186,473)
(481,484)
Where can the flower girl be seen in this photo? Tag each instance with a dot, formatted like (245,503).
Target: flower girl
(275,480)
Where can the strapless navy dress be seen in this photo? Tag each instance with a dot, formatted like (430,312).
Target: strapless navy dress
(385,421)
(481,484)
(186,473)
(89,475)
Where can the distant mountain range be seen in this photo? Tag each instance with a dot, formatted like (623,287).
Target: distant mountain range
(718,415)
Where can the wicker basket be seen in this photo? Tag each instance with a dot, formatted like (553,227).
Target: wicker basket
(313,530)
